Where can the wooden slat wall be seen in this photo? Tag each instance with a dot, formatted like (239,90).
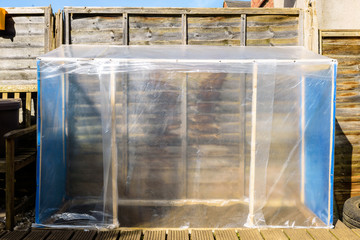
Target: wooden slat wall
(344,45)
(28,34)
(148,26)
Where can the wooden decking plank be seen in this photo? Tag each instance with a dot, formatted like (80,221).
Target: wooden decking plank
(356,231)
(130,235)
(297,234)
(155,235)
(344,233)
(202,235)
(37,235)
(84,235)
(108,235)
(178,235)
(15,235)
(2,233)
(60,235)
(273,234)
(249,234)
(321,234)
(340,224)
(225,235)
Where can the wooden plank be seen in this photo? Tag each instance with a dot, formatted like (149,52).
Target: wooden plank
(37,235)
(108,235)
(146,30)
(243,30)
(22,41)
(178,235)
(20,53)
(60,235)
(155,235)
(48,30)
(15,235)
(200,11)
(297,234)
(4,95)
(249,234)
(184,26)
(28,74)
(273,234)
(340,33)
(17,64)
(125,24)
(130,235)
(272,30)
(356,231)
(214,30)
(82,235)
(25,10)
(16,95)
(225,235)
(321,234)
(18,86)
(344,233)
(202,235)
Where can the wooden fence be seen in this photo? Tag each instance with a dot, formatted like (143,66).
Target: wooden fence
(28,34)
(344,45)
(176,26)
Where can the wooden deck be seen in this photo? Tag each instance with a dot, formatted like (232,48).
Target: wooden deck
(340,232)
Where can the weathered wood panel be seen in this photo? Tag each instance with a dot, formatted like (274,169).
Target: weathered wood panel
(175,26)
(96,29)
(345,47)
(151,30)
(214,30)
(272,30)
(27,35)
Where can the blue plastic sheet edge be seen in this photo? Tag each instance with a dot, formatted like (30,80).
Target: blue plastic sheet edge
(38,122)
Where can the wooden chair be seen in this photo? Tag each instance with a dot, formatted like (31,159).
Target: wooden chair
(15,160)
(17,157)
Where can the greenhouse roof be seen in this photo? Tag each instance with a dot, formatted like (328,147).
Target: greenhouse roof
(182,53)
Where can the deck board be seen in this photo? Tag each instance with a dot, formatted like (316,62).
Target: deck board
(14,235)
(178,235)
(225,235)
(130,235)
(297,234)
(82,235)
(344,233)
(249,234)
(155,235)
(202,235)
(37,235)
(273,234)
(321,234)
(108,235)
(60,235)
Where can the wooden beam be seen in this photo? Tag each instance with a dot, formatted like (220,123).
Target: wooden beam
(184,26)
(179,11)
(67,26)
(25,10)
(125,29)
(48,30)
(243,30)
(4,95)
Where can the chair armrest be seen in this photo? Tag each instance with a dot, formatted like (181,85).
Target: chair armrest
(20,132)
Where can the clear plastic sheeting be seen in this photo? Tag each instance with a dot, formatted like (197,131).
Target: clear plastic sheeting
(185,137)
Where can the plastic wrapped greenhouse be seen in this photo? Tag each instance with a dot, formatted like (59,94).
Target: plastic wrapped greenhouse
(185,137)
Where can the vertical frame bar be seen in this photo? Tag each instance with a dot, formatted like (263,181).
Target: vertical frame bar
(113,147)
(183,131)
(253,147)
(125,131)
